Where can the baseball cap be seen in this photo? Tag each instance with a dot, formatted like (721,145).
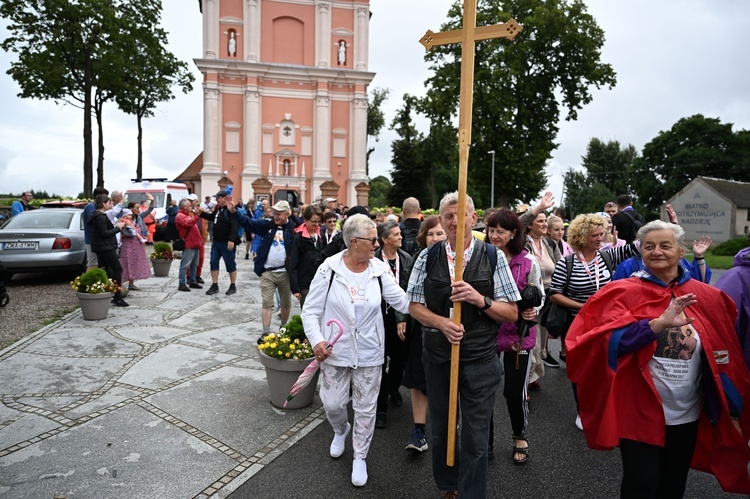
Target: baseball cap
(282,206)
(193,197)
(221,194)
(329,200)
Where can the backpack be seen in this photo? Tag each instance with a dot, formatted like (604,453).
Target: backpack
(409,242)
(637,220)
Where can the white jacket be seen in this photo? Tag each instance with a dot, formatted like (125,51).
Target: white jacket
(361,345)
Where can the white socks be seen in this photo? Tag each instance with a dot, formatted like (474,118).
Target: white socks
(359,472)
(339,444)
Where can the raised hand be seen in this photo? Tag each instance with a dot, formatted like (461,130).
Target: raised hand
(672,316)
(672,215)
(701,246)
(548,201)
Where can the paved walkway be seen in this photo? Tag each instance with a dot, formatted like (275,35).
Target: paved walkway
(165,398)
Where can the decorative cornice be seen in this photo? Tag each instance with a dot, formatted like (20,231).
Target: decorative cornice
(286,72)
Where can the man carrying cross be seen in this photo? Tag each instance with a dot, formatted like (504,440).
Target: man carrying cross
(487,294)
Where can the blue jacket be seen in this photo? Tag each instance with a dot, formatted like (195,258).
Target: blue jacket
(266,229)
(635,263)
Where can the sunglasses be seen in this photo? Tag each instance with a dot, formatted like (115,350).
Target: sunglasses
(373,241)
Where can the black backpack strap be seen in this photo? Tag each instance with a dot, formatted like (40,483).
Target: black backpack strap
(568,272)
(432,252)
(491,256)
(608,261)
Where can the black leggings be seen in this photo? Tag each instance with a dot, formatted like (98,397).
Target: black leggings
(650,471)
(395,359)
(109,261)
(515,391)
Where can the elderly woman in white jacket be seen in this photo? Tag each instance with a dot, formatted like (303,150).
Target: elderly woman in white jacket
(348,286)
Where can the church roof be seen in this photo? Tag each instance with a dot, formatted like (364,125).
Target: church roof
(193,172)
(737,192)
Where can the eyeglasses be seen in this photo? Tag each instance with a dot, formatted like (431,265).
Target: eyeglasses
(316,222)
(373,241)
(332,221)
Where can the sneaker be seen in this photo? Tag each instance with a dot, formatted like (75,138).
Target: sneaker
(339,442)
(232,289)
(359,472)
(381,420)
(213,289)
(183,287)
(260,338)
(579,423)
(195,285)
(247,256)
(417,442)
(535,386)
(200,280)
(396,399)
(133,287)
(120,303)
(550,361)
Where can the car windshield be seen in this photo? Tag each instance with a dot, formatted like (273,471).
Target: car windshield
(140,197)
(40,219)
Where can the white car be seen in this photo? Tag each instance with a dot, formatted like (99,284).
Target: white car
(44,240)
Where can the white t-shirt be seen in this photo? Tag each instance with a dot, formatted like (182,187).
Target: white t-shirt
(277,253)
(357,284)
(676,371)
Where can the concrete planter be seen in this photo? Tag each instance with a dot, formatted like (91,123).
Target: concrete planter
(94,306)
(161,267)
(281,375)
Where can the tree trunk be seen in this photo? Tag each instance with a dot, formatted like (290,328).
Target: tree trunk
(100,161)
(139,164)
(88,152)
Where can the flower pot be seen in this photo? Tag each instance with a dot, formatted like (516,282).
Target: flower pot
(94,306)
(281,375)
(161,267)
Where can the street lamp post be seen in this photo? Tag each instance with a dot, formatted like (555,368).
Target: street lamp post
(492,185)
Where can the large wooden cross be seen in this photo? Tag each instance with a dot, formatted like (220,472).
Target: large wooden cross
(467,36)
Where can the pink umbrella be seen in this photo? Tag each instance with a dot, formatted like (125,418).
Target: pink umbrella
(307,375)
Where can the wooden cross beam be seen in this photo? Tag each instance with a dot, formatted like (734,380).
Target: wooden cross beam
(466,36)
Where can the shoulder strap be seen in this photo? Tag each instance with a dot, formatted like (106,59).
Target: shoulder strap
(432,252)
(607,257)
(568,272)
(491,256)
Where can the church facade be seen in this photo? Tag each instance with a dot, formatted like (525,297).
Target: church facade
(285,99)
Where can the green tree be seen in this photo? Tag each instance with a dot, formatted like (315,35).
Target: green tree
(60,45)
(521,88)
(375,119)
(405,160)
(610,164)
(380,188)
(693,146)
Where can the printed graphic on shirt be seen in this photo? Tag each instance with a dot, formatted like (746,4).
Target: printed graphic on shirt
(676,343)
(278,239)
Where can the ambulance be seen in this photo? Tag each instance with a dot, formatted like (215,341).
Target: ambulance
(163,192)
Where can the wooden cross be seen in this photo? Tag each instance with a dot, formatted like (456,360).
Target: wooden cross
(467,36)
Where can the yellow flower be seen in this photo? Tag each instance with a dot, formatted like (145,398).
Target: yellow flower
(288,354)
(292,347)
(273,345)
(280,353)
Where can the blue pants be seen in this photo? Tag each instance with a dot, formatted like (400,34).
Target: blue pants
(477,383)
(221,251)
(189,260)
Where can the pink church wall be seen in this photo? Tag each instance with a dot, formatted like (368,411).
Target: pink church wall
(342,18)
(231,8)
(288,39)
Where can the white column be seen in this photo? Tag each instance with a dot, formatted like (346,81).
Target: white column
(322,147)
(252,132)
(358,159)
(252,31)
(361,36)
(323,34)
(210,29)
(211,128)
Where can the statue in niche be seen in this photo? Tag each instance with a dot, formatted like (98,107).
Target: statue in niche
(232,44)
(286,167)
(341,52)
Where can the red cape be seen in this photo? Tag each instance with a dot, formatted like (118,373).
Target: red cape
(624,403)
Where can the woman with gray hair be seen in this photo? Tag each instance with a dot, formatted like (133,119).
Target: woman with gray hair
(399,266)
(659,373)
(349,287)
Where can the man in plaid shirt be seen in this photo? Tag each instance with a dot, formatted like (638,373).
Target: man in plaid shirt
(486,298)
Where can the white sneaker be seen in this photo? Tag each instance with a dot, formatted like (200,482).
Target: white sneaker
(339,442)
(579,424)
(359,472)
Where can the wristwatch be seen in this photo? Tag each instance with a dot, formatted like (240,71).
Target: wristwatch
(487,303)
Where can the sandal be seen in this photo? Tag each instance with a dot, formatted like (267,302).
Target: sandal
(520,450)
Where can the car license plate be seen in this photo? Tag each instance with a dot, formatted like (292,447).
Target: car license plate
(21,245)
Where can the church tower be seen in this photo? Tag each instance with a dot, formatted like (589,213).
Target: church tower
(285,99)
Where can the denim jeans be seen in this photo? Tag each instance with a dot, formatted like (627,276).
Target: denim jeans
(189,260)
(477,384)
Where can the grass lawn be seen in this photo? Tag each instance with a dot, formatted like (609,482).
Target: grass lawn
(715,261)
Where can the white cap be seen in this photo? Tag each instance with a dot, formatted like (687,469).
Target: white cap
(193,197)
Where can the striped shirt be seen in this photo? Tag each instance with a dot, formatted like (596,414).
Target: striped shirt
(583,284)
(504,286)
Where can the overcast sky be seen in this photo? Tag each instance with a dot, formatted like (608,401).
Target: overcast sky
(673,59)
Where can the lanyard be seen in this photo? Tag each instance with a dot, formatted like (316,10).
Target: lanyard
(395,273)
(586,268)
(452,261)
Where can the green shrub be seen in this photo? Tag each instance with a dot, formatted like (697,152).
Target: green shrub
(295,329)
(731,247)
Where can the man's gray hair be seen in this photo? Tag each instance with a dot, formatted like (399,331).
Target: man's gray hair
(679,232)
(452,198)
(357,226)
(183,202)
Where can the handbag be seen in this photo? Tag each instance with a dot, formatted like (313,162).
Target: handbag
(179,244)
(558,320)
